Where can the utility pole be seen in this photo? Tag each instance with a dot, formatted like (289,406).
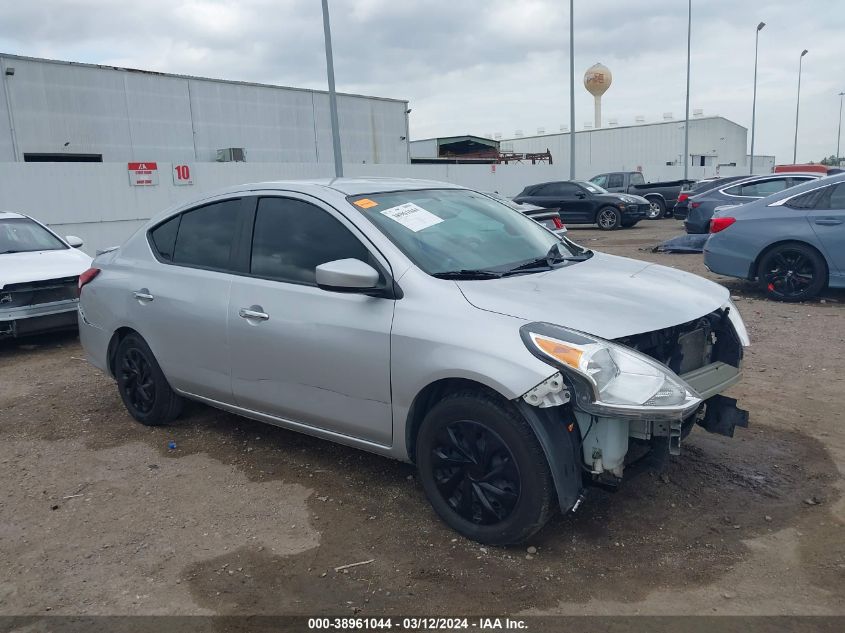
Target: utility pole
(686,125)
(797,108)
(839,134)
(327,33)
(572,89)
(754,101)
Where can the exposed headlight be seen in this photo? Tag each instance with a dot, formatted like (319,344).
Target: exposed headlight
(611,379)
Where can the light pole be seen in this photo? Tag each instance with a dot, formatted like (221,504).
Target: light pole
(572,89)
(839,133)
(327,34)
(797,108)
(686,118)
(754,100)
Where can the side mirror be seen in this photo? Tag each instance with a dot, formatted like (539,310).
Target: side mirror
(347,275)
(73,241)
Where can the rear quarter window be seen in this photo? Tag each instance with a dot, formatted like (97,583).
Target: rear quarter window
(163,238)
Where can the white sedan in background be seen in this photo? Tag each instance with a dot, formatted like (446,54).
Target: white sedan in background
(39,272)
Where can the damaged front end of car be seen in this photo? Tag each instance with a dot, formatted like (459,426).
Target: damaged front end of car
(633,400)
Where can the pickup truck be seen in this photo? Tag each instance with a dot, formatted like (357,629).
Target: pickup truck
(661,196)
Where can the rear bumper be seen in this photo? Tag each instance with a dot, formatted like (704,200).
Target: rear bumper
(37,319)
(727,259)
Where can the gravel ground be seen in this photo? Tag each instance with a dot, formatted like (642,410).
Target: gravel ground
(99,516)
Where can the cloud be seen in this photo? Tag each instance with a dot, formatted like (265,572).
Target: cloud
(479,66)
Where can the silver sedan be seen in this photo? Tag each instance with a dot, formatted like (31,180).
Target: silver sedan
(424,322)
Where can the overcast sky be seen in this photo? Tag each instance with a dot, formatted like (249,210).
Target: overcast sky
(481,66)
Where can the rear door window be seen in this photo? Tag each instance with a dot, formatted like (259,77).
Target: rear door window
(615,181)
(207,235)
(637,179)
(759,189)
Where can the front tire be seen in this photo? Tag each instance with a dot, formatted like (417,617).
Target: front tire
(792,272)
(656,209)
(142,385)
(483,469)
(609,219)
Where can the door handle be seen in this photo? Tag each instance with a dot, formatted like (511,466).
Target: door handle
(143,295)
(253,312)
(828,221)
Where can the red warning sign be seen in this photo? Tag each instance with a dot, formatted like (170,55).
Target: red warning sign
(143,174)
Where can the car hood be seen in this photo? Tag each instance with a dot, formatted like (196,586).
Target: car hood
(616,198)
(607,296)
(18,268)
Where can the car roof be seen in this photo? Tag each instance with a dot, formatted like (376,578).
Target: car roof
(346,186)
(8,215)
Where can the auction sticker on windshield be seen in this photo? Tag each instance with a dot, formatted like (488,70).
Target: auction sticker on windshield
(412,216)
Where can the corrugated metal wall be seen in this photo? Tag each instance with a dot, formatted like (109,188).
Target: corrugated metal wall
(626,148)
(129,115)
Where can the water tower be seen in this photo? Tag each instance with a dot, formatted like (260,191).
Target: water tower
(597,80)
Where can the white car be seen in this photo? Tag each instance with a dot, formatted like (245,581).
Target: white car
(39,272)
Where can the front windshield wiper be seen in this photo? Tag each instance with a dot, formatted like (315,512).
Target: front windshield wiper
(468,274)
(554,256)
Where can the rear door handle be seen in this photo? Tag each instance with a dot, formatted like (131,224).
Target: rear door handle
(253,312)
(143,295)
(828,221)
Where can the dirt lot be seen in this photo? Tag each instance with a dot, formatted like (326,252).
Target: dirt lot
(99,516)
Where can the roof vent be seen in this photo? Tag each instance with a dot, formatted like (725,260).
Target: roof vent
(564,128)
(588,125)
(667,116)
(541,130)
(640,118)
(698,112)
(612,122)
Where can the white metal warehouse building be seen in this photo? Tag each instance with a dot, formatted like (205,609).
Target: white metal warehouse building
(53,109)
(654,148)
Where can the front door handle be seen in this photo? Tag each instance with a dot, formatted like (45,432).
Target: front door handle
(143,295)
(253,312)
(828,221)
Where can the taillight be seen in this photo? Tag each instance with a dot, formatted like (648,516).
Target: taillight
(558,223)
(695,205)
(87,277)
(683,197)
(720,224)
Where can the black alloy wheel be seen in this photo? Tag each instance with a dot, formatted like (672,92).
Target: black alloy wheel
(792,272)
(137,378)
(143,388)
(475,472)
(483,469)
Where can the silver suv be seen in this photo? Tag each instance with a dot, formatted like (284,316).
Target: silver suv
(424,322)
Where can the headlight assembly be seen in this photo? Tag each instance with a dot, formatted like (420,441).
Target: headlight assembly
(611,379)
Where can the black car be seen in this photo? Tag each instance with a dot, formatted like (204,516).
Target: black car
(582,202)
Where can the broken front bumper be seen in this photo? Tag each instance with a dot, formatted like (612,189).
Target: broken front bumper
(45,317)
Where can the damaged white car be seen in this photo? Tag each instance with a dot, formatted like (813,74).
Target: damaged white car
(424,322)
(38,277)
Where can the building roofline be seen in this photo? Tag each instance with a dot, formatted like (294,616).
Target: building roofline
(621,127)
(456,136)
(189,77)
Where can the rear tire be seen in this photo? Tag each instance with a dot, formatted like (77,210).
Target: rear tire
(792,272)
(142,385)
(609,219)
(483,469)
(656,209)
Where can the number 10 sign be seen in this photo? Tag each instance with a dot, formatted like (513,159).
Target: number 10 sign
(183,174)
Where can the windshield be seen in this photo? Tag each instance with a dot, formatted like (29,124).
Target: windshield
(445,231)
(592,187)
(22,235)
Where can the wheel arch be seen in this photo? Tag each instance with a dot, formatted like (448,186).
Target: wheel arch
(111,351)
(430,395)
(754,273)
(560,442)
